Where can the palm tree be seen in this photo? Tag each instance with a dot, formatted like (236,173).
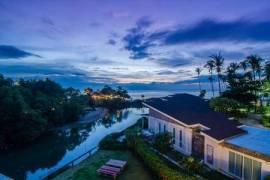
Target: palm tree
(210,66)
(243,65)
(198,71)
(232,68)
(232,72)
(259,72)
(267,71)
(254,61)
(218,63)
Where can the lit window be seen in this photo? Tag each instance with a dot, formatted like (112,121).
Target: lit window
(210,154)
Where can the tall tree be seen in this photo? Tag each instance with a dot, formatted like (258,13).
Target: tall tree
(198,71)
(210,66)
(267,71)
(255,64)
(218,61)
(232,68)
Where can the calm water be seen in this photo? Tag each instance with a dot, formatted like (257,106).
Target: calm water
(155,94)
(56,149)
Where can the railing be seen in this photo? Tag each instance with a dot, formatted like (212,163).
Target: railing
(54,172)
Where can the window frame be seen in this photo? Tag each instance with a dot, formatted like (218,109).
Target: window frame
(173,135)
(180,138)
(243,167)
(209,157)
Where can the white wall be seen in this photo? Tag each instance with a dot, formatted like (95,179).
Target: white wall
(221,153)
(186,133)
(265,169)
(221,158)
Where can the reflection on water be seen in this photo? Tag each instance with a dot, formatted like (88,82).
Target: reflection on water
(55,149)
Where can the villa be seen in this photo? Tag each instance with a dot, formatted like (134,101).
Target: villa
(238,151)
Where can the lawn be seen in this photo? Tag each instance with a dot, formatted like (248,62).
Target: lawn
(87,169)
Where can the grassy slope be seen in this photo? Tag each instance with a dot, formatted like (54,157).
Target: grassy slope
(87,169)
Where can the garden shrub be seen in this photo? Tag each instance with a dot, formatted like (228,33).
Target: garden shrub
(155,164)
(110,142)
(266,121)
(163,142)
(193,166)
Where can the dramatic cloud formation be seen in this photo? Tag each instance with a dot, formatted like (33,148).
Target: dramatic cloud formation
(210,30)
(8,52)
(136,40)
(129,42)
(173,61)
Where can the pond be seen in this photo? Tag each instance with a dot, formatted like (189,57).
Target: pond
(55,149)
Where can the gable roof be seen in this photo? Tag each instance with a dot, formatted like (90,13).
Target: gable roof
(192,110)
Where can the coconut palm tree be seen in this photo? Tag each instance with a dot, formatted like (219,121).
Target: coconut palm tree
(255,63)
(210,66)
(198,71)
(218,63)
(231,72)
(232,68)
(243,65)
(267,71)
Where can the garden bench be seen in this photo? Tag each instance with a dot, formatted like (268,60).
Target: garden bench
(116,163)
(112,168)
(107,173)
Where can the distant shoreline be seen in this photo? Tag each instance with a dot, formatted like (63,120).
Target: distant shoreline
(136,94)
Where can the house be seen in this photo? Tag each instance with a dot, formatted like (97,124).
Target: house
(241,152)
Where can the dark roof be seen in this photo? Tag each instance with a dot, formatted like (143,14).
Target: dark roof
(191,110)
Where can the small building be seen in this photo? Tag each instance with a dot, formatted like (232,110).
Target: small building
(241,152)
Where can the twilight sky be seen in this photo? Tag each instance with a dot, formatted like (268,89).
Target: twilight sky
(127,41)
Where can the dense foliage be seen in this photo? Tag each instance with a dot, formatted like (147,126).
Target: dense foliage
(163,142)
(111,142)
(29,108)
(153,162)
(108,97)
(246,81)
(230,107)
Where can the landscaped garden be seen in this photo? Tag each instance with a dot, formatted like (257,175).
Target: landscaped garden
(88,168)
(142,161)
(145,159)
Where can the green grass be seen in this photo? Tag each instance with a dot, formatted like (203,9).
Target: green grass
(87,169)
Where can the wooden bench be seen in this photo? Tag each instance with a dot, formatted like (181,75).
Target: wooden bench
(117,163)
(112,168)
(107,173)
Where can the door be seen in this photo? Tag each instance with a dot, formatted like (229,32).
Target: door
(197,145)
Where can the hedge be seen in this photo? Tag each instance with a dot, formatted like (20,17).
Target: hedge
(156,165)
